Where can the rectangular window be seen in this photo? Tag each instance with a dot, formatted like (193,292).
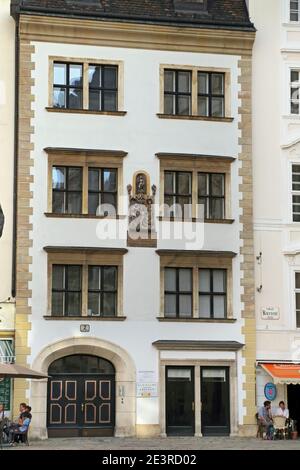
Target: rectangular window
(213,293)
(294,10)
(102,191)
(103,88)
(66,290)
(66,190)
(294,91)
(296,192)
(178,193)
(67,85)
(178,292)
(211,195)
(177,92)
(102,291)
(297,299)
(211,94)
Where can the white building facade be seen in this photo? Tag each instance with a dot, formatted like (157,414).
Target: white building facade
(276,134)
(7,90)
(139,337)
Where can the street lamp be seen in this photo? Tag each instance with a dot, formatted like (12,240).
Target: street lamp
(2,218)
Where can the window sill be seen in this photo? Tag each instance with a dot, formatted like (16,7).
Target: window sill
(83,216)
(85,111)
(292,117)
(194,219)
(197,320)
(84,319)
(195,118)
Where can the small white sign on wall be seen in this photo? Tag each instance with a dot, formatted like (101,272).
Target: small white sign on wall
(270,313)
(146,390)
(146,386)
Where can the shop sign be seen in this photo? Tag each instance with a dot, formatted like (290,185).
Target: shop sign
(270,313)
(270,391)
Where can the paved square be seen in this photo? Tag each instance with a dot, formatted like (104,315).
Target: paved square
(178,443)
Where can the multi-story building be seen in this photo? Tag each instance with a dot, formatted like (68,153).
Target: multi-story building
(276,137)
(136,105)
(7,90)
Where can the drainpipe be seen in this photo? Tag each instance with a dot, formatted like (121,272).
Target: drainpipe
(16,151)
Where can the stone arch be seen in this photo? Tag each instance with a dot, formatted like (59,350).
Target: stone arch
(125,381)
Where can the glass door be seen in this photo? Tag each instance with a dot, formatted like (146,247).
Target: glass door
(215,409)
(180,401)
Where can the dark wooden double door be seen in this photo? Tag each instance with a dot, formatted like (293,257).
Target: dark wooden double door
(81,406)
(180,401)
(81,397)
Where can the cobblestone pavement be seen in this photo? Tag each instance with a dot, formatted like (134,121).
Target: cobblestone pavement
(180,443)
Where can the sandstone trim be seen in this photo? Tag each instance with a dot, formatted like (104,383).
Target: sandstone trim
(246,239)
(24,212)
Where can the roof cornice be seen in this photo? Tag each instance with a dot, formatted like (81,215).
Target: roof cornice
(135,35)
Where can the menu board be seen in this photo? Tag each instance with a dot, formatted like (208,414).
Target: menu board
(5,389)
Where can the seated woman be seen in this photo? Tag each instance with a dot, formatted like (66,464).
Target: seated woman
(21,428)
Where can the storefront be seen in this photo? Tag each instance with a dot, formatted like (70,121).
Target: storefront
(214,386)
(199,387)
(285,378)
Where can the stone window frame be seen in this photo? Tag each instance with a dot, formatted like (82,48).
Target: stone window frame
(194,70)
(86,257)
(85,67)
(197,164)
(85,159)
(196,260)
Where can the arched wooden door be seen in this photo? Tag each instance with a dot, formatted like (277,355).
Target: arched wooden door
(81,397)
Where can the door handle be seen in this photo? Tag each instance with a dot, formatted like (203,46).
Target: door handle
(193,406)
(82,407)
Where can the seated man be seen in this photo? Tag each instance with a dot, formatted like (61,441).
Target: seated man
(21,428)
(265,417)
(282,410)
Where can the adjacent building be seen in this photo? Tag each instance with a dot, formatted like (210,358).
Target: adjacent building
(7,306)
(145,323)
(276,162)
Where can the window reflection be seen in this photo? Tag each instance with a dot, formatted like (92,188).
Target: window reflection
(67,86)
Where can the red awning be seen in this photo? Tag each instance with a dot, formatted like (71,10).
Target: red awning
(283,373)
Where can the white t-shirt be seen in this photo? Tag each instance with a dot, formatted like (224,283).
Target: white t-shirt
(281,412)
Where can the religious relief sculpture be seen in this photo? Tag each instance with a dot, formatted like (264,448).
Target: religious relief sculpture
(141,201)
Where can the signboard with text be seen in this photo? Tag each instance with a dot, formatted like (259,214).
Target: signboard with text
(146,386)
(270,313)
